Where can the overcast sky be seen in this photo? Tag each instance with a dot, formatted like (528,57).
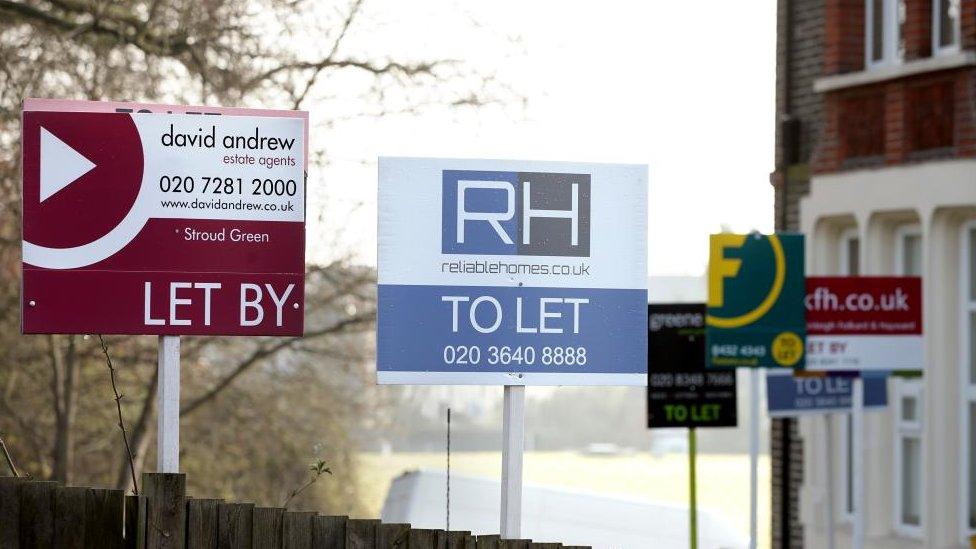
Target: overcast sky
(684,87)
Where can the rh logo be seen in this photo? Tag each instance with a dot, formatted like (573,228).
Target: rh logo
(515,213)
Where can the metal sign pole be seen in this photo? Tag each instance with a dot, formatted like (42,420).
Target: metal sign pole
(857,467)
(829,464)
(692,488)
(513,446)
(168,397)
(753,456)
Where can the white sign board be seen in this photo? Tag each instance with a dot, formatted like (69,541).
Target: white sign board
(512,273)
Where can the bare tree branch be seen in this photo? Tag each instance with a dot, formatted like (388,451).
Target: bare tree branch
(118,407)
(7,458)
(265,352)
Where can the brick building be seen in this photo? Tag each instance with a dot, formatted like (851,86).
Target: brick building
(876,164)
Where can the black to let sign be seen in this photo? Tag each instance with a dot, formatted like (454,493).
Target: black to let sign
(680,391)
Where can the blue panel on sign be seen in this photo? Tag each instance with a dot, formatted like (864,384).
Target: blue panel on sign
(471,329)
(788,395)
(478,212)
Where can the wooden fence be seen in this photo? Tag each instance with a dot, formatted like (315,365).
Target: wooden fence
(40,515)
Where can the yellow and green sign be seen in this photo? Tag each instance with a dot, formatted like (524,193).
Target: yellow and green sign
(756,287)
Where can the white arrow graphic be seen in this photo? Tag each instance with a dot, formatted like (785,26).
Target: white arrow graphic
(60,164)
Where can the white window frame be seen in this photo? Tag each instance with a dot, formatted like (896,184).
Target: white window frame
(937,30)
(844,260)
(966,387)
(901,233)
(846,512)
(907,388)
(844,269)
(890,35)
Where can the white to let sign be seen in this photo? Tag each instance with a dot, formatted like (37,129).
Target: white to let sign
(512,273)
(861,323)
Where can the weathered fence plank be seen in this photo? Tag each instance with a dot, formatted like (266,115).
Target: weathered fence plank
(390,536)
(69,517)
(329,532)
(105,515)
(201,523)
(488,542)
(266,526)
(460,540)
(166,511)
(297,530)
(135,522)
(37,515)
(235,525)
(10,512)
(425,539)
(361,534)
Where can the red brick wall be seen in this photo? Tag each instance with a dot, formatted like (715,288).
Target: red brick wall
(918,29)
(843,36)
(968,24)
(895,111)
(930,120)
(965,113)
(863,117)
(921,117)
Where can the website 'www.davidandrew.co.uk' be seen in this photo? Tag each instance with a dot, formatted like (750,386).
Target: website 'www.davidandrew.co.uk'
(219,204)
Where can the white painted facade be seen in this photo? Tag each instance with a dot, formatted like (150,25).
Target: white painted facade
(920,471)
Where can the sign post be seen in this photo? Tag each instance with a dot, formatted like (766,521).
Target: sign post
(829,469)
(158,220)
(513,434)
(755,319)
(511,273)
(168,394)
(680,392)
(857,462)
(753,458)
(821,393)
(692,488)
(863,324)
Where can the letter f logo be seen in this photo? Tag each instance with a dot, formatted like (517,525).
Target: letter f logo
(721,267)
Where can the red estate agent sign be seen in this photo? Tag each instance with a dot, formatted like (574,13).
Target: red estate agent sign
(864,323)
(159,219)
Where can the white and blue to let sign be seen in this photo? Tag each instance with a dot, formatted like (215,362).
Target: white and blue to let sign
(788,395)
(495,272)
